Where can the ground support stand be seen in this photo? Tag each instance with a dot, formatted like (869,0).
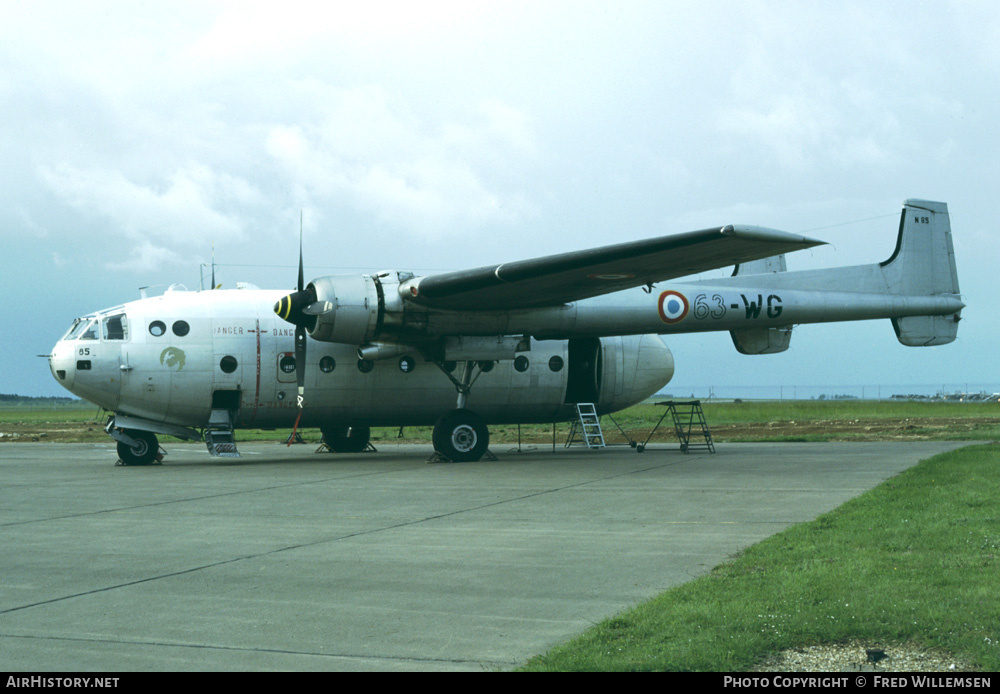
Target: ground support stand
(688,418)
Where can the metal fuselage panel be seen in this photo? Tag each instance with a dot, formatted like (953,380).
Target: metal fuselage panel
(184,348)
(696,307)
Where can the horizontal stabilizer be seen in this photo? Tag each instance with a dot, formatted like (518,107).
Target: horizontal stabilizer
(926,331)
(761,340)
(764,266)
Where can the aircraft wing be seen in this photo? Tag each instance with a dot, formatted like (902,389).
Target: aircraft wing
(566,277)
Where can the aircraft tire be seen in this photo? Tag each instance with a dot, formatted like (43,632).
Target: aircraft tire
(143,452)
(461,436)
(342,440)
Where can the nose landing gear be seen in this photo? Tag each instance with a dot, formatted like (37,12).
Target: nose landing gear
(144,448)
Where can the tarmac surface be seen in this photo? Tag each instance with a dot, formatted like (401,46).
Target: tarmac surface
(289,560)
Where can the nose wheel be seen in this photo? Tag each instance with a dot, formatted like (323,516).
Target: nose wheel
(461,436)
(143,449)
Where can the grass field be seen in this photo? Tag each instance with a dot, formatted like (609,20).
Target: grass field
(778,420)
(914,562)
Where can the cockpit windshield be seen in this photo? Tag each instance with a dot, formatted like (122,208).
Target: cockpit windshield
(83,329)
(109,327)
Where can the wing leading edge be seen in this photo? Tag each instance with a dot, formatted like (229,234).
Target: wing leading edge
(566,277)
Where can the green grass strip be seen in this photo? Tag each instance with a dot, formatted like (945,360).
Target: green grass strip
(914,560)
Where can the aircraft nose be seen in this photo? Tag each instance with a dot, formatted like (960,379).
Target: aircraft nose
(62,365)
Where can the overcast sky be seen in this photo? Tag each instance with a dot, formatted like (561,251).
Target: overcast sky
(422,135)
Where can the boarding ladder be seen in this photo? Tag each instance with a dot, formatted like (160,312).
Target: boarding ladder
(219,434)
(589,426)
(689,422)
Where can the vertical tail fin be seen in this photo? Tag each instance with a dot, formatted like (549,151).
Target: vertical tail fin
(923,264)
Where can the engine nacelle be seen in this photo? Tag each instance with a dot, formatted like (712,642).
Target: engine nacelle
(352,309)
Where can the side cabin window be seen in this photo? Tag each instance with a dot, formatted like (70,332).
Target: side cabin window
(115,327)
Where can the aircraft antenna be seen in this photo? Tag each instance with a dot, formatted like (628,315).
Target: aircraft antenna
(844,224)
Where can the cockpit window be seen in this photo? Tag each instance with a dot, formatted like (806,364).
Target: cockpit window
(115,327)
(72,329)
(83,329)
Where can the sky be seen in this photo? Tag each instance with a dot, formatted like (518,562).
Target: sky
(137,138)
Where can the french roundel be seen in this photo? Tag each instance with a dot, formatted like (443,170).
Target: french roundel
(673,306)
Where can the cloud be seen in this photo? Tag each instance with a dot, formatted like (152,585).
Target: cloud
(193,204)
(143,256)
(367,149)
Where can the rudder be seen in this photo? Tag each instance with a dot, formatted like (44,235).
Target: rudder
(924,260)
(923,264)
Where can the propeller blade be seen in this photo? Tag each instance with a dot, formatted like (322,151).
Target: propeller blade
(301,273)
(292,309)
(300,377)
(300,309)
(300,363)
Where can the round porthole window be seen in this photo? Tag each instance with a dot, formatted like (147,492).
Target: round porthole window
(228,364)
(181,328)
(521,363)
(556,363)
(407,364)
(327,364)
(287,364)
(157,328)
(365,365)
(487,366)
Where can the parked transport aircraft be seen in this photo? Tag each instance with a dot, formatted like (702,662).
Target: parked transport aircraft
(517,342)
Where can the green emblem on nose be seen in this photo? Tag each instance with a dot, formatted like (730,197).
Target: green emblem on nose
(173,357)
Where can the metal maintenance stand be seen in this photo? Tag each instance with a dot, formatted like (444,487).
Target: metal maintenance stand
(688,418)
(586,427)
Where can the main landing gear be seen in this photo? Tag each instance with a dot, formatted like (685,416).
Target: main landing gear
(347,439)
(461,435)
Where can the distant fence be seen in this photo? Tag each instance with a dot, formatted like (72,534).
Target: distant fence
(965,392)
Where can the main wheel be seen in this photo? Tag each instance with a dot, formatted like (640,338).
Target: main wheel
(347,439)
(143,452)
(461,436)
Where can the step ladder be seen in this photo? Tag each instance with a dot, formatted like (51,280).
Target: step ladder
(219,434)
(689,423)
(587,425)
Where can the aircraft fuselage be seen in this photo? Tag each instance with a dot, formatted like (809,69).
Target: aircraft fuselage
(174,358)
